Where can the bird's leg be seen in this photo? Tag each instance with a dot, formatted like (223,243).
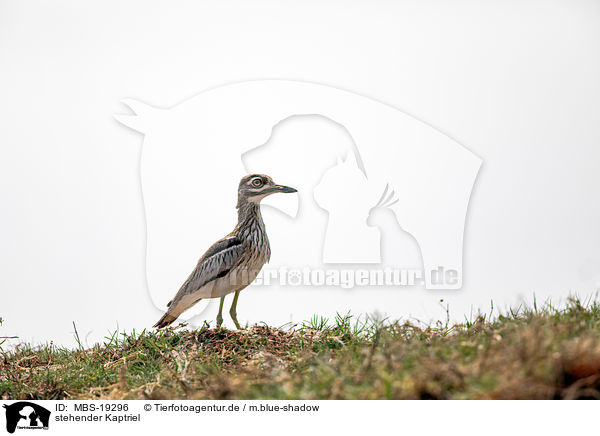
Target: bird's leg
(232,311)
(220,314)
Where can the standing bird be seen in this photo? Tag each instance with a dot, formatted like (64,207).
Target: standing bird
(233,262)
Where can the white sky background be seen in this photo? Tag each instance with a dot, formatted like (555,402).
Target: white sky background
(515,82)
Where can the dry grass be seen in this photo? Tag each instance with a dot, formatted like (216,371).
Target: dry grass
(531,353)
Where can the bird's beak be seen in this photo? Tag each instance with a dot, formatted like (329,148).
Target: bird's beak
(284,189)
(287,204)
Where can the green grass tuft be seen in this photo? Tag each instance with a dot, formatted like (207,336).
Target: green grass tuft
(530,352)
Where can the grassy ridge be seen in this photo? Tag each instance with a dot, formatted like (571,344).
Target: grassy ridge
(531,353)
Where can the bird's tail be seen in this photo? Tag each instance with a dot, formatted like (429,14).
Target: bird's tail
(166,320)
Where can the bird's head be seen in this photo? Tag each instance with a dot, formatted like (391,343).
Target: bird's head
(255,187)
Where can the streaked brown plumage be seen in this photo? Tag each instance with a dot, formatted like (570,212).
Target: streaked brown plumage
(232,263)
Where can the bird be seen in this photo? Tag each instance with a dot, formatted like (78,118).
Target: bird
(233,262)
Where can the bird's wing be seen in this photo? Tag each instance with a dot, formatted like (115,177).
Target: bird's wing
(215,263)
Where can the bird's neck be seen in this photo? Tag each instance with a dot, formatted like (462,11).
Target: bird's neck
(249,218)
(251,230)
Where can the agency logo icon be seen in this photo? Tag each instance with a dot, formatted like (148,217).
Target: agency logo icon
(26,415)
(368,169)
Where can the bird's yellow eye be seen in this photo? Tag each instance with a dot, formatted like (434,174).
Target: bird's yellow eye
(257,183)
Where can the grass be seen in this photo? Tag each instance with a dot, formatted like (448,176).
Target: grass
(530,352)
